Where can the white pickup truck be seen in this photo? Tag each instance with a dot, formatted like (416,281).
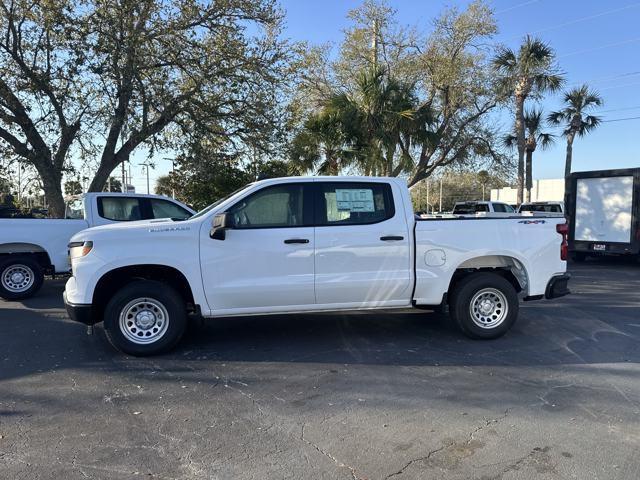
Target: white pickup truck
(294,245)
(31,248)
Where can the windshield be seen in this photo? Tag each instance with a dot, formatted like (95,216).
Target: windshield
(218,202)
(551,208)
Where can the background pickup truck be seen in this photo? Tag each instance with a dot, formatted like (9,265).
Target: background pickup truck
(472,208)
(31,248)
(293,245)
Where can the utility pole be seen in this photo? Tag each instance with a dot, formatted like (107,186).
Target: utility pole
(428,198)
(146,165)
(441,194)
(124,179)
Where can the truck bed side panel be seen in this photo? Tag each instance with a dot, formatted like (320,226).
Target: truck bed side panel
(443,246)
(50,235)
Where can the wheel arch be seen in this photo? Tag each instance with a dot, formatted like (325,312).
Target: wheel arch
(113,280)
(38,252)
(507,266)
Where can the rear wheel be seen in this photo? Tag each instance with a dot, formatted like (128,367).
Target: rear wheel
(484,305)
(145,318)
(20,277)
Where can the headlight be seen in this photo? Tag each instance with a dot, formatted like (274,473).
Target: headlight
(79,249)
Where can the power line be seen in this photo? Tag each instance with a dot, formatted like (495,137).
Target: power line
(601,47)
(589,17)
(621,119)
(619,109)
(608,78)
(621,86)
(524,4)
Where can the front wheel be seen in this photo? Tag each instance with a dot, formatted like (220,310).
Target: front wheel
(145,318)
(20,277)
(484,305)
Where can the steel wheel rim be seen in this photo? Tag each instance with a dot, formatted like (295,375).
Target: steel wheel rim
(18,278)
(144,320)
(488,308)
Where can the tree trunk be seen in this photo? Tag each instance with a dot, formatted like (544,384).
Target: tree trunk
(101,177)
(529,178)
(52,186)
(521,145)
(569,157)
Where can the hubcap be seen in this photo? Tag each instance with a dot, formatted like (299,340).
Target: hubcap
(144,321)
(18,278)
(488,308)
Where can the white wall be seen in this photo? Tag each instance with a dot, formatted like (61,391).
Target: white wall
(545,190)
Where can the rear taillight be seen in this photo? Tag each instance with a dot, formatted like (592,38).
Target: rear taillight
(563,229)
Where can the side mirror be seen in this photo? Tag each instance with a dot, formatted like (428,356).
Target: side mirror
(221,222)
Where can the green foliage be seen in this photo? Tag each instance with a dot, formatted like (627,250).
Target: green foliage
(396,103)
(100,79)
(72,187)
(113,185)
(575,119)
(529,73)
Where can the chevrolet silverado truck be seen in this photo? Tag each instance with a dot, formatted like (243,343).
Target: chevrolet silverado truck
(32,248)
(299,245)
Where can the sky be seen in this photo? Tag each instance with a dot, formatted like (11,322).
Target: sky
(597,42)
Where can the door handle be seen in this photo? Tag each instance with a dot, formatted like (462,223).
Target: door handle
(391,238)
(296,240)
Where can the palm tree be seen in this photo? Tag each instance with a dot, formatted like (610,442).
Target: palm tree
(381,110)
(529,73)
(322,145)
(533,123)
(574,117)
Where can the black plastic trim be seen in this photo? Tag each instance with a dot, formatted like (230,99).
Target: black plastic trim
(557,286)
(82,313)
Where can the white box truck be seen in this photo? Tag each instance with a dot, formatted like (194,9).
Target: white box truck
(603,213)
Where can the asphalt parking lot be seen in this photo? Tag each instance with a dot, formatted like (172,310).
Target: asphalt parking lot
(397,396)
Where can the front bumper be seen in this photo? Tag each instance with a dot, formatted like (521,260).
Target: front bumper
(79,312)
(557,286)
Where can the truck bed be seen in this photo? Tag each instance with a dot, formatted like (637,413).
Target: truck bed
(529,246)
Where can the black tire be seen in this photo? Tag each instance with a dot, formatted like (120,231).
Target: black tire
(579,257)
(168,326)
(31,272)
(464,294)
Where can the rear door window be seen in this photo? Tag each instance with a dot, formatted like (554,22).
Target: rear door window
(120,209)
(353,203)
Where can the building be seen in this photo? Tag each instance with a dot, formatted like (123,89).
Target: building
(545,190)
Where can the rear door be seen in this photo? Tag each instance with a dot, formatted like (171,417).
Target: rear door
(362,245)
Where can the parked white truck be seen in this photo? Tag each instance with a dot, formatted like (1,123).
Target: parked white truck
(31,248)
(294,245)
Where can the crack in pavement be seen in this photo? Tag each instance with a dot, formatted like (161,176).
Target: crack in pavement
(451,444)
(352,470)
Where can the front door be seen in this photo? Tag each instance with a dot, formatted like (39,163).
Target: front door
(362,246)
(266,261)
